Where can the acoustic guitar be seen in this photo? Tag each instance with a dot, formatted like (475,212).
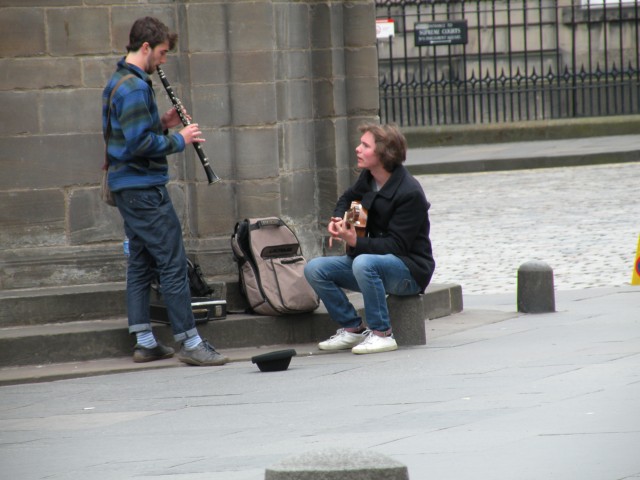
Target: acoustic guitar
(356,217)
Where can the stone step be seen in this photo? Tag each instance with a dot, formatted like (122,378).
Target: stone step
(89,339)
(40,306)
(70,303)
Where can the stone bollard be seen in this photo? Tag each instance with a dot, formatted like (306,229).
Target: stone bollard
(407,319)
(338,464)
(535,288)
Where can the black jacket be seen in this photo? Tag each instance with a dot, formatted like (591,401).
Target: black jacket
(397,221)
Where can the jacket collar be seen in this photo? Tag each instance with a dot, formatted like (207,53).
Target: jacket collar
(388,190)
(141,74)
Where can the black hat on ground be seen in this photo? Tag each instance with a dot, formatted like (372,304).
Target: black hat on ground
(274,361)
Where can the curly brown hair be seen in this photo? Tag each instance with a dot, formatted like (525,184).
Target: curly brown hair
(391,145)
(151,30)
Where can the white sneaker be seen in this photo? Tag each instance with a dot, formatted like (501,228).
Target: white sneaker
(375,344)
(342,340)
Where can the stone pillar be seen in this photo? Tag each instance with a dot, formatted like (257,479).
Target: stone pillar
(345,85)
(535,288)
(408,319)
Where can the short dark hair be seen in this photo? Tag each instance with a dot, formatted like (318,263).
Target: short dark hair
(391,145)
(151,30)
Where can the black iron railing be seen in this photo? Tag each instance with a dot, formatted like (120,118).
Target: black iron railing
(486,61)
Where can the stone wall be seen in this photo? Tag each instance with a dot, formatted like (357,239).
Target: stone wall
(277,86)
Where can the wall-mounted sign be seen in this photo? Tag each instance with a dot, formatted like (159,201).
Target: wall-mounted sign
(385,28)
(452,32)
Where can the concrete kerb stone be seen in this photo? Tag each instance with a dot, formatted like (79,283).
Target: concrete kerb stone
(535,288)
(558,129)
(443,299)
(335,464)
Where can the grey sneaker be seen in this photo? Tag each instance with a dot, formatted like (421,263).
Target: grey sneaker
(142,354)
(203,355)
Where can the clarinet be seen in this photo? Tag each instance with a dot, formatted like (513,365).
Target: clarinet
(177,104)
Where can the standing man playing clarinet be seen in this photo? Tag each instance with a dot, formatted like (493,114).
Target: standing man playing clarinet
(137,149)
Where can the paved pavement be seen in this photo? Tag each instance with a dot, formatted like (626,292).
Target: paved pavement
(494,394)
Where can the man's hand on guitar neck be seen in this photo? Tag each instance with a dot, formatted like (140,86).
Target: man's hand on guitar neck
(342,232)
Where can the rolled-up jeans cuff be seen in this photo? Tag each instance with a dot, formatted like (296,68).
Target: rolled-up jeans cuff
(181,337)
(386,333)
(140,327)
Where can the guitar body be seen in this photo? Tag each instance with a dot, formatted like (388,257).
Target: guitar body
(356,217)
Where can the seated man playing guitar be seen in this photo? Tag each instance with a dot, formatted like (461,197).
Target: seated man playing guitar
(384,222)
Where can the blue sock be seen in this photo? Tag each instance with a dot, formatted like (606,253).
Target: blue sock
(146,339)
(192,342)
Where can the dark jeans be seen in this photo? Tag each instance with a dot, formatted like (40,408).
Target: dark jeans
(156,251)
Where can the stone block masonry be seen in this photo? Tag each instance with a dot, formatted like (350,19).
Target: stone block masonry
(278,87)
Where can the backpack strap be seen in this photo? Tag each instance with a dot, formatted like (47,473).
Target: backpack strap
(108,131)
(238,254)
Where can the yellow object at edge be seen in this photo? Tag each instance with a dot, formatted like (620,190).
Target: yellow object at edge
(635,278)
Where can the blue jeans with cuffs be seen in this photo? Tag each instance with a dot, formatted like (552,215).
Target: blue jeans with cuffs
(156,251)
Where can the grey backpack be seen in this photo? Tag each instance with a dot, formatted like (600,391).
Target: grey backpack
(271,267)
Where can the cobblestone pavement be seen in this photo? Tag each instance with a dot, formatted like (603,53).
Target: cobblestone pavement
(584,222)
